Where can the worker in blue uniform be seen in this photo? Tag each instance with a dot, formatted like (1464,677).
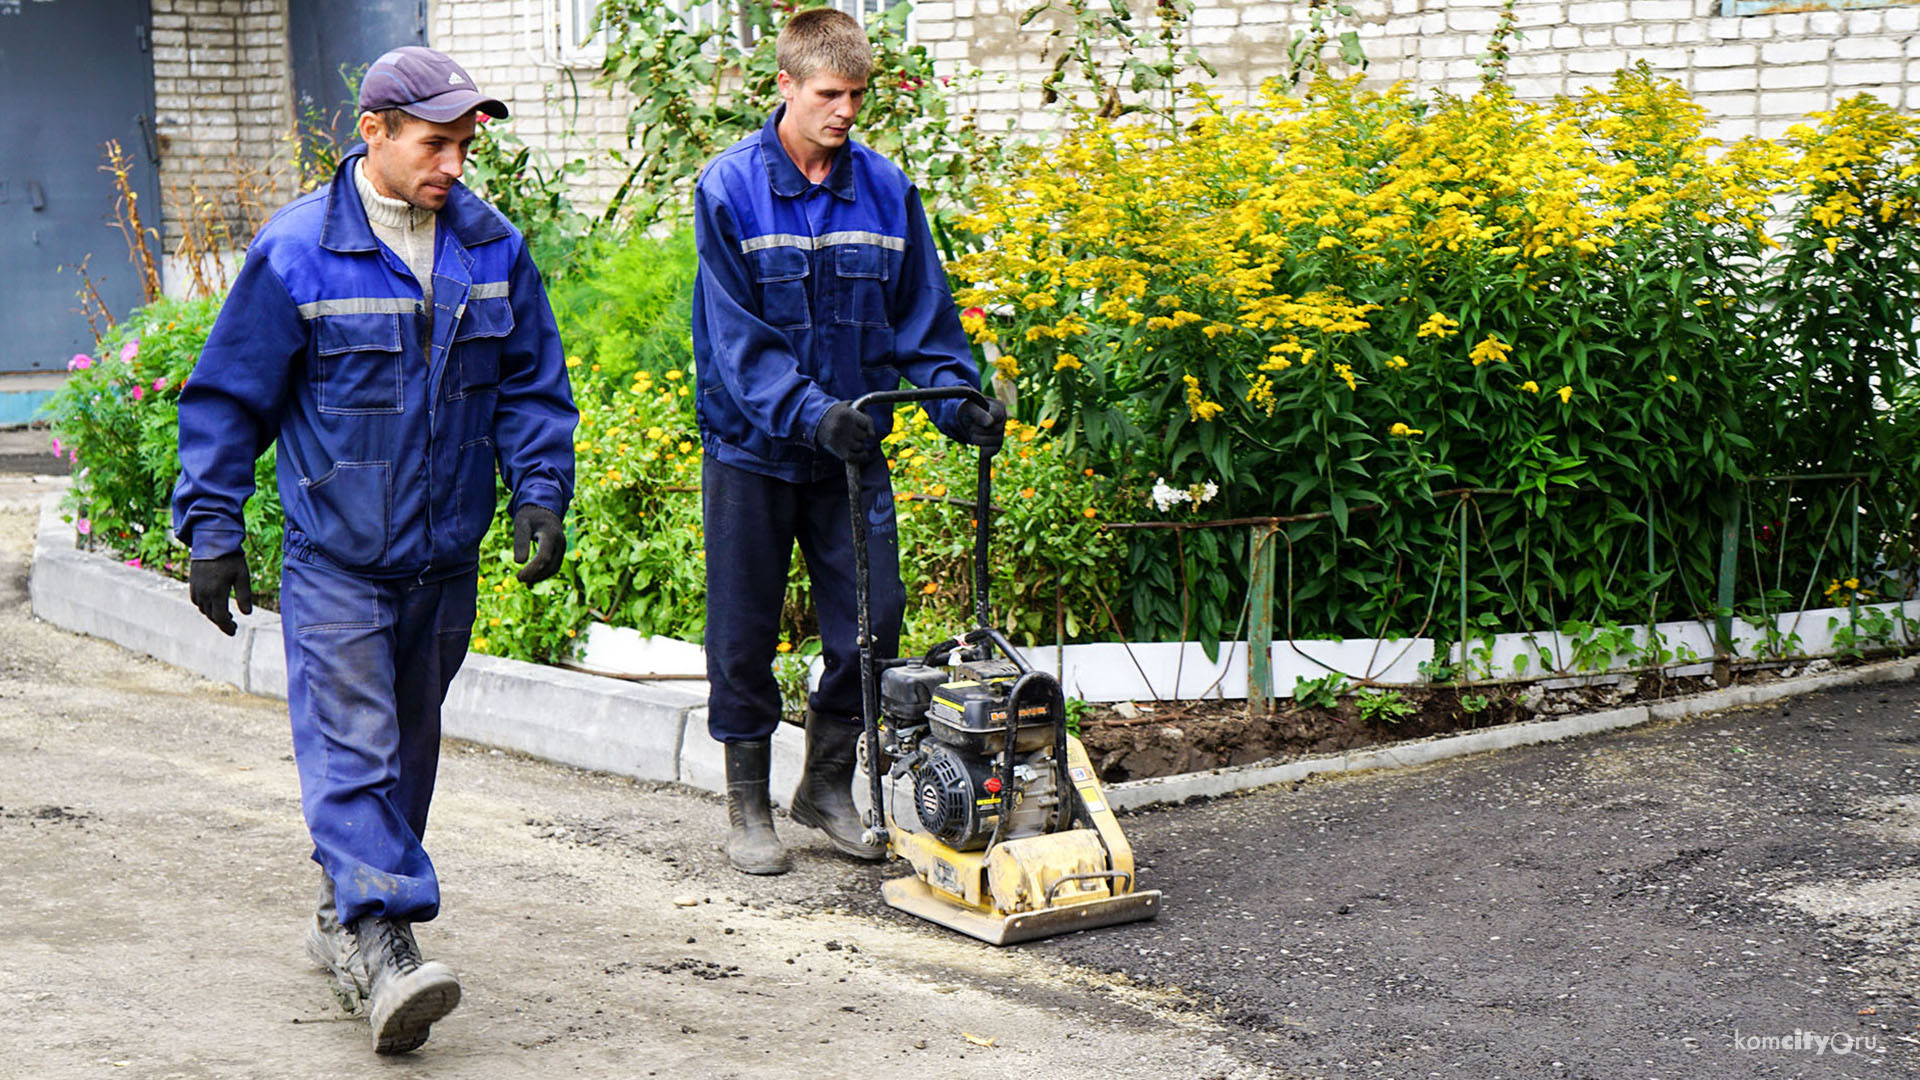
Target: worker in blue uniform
(818,282)
(391,333)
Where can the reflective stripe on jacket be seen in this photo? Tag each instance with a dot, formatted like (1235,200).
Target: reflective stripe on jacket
(392,424)
(810,294)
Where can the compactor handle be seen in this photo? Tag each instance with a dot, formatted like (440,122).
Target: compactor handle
(863,574)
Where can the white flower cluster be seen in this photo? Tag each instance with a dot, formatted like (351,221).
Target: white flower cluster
(1166,498)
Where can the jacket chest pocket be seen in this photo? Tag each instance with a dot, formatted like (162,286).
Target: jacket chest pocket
(478,341)
(860,285)
(781,273)
(357,364)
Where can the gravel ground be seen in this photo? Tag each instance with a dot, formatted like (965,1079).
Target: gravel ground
(154,881)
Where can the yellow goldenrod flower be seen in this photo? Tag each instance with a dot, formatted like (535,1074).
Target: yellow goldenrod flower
(1491,348)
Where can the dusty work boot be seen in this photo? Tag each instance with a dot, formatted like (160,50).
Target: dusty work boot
(824,799)
(752,847)
(406,994)
(330,947)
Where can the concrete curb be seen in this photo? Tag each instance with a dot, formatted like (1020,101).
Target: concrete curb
(648,731)
(658,731)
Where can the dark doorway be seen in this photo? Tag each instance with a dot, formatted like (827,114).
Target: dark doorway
(73,74)
(332,42)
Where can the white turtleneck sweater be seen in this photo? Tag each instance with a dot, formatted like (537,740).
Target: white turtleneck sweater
(406,229)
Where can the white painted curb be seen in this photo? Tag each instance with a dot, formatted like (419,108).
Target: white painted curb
(658,731)
(648,731)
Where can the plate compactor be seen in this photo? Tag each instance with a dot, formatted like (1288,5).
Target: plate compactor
(975,781)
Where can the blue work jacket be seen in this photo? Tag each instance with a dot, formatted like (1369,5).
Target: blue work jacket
(810,294)
(392,421)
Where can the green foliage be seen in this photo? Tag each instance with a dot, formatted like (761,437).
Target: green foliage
(524,184)
(1077,711)
(1384,706)
(1475,703)
(635,553)
(1125,65)
(700,85)
(1598,648)
(1321,693)
(115,418)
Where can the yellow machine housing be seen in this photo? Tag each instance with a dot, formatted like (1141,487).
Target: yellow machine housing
(1028,887)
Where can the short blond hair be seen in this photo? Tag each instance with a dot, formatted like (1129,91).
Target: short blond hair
(823,39)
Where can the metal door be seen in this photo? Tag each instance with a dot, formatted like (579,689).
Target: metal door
(73,74)
(325,37)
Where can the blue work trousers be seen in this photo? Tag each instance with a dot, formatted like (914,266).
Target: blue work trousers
(368,663)
(752,522)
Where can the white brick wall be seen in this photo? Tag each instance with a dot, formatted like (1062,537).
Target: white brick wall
(1755,74)
(223,103)
(510,49)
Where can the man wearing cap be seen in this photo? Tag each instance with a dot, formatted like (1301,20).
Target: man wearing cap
(391,333)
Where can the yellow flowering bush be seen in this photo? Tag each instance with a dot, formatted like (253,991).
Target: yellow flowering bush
(1353,299)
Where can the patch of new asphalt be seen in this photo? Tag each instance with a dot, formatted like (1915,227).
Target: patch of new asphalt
(1626,905)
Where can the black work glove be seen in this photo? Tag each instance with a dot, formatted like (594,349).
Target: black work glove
(211,581)
(985,428)
(846,433)
(542,527)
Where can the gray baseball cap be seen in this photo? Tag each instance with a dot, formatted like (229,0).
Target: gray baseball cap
(424,83)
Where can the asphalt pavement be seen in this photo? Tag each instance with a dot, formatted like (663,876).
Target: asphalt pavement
(1725,897)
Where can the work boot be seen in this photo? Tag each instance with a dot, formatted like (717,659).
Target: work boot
(330,947)
(405,994)
(824,799)
(752,847)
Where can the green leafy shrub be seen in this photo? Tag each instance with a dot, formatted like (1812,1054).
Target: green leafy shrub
(115,418)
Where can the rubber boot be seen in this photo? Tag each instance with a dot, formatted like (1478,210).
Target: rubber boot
(824,799)
(406,994)
(330,947)
(752,847)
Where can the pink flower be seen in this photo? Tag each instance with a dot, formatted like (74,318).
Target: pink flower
(160,383)
(83,527)
(58,450)
(135,563)
(80,362)
(130,350)
(139,392)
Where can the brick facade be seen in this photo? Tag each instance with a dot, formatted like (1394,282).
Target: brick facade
(223,103)
(1755,74)
(508,47)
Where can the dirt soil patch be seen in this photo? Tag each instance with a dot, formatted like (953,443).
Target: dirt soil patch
(1139,740)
